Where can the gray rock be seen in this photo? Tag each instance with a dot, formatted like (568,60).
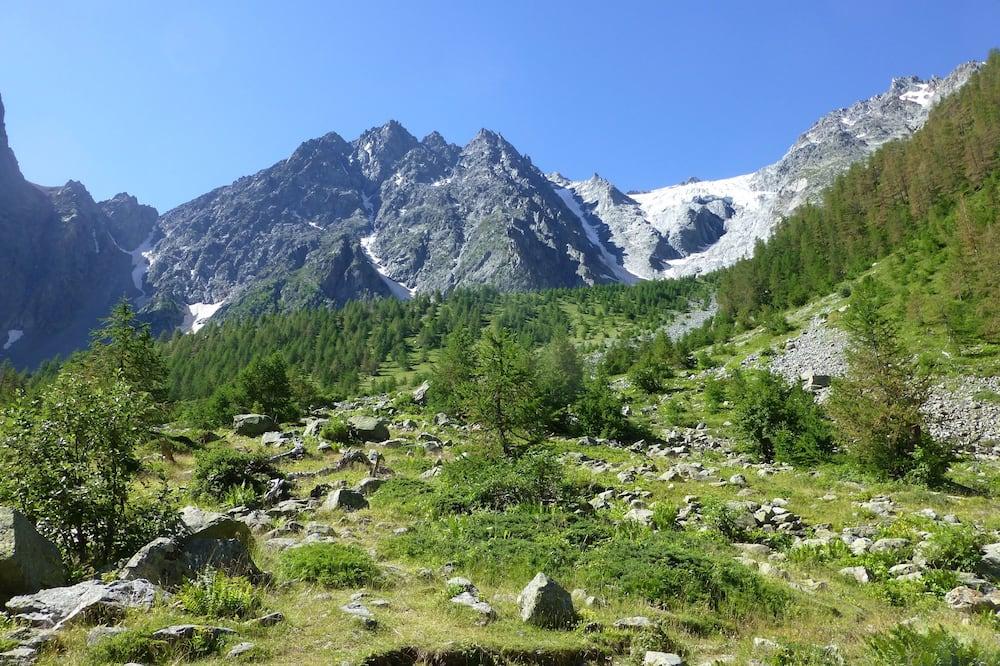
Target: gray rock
(28,561)
(859,574)
(662,659)
(545,603)
(368,485)
(420,393)
(368,428)
(636,622)
(87,601)
(239,650)
(179,634)
(252,425)
(470,600)
(201,524)
(971,600)
(347,500)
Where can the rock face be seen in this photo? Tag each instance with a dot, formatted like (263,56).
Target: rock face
(58,246)
(28,561)
(544,603)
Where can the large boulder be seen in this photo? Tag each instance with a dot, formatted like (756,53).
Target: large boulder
(347,500)
(420,393)
(89,601)
(989,566)
(253,425)
(545,603)
(368,428)
(28,561)
(207,540)
(201,524)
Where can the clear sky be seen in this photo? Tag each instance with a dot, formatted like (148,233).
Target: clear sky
(168,100)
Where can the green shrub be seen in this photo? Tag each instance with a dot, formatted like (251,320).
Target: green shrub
(336,430)
(936,647)
(670,569)
(779,421)
(219,469)
(599,410)
(241,495)
(482,482)
(215,594)
(127,647)
(958,547)
(330,564)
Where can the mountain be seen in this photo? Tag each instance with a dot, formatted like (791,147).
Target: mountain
(711,224)
(388,214)
(63,265)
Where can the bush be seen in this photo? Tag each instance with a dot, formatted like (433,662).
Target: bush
(957,548)
(779,421)
(599,410)
(214,594)
(936,647)
(336,430)
(480,482)
(219,469)
(669,569)
(330,564)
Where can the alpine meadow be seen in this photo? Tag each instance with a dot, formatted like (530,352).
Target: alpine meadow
(398,401)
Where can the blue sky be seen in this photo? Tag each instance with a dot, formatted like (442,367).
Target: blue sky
(169,100)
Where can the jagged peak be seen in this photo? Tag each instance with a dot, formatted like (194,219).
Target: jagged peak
(388,131)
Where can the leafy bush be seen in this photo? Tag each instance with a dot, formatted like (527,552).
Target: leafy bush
(481,482)
(241,495)
(670,569)
(219,469)
(330,564)
(214,594)
(599,410)
(779,421)
(958,547)
(336,430)
(936,647)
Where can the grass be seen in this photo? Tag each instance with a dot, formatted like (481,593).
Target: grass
(330,564)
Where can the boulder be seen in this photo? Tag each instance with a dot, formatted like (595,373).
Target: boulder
(201,524)
(253,425)
(28,561)
(368,428)
(207,540)
(89,601)
(989,566)
(368,485)
(544,603)
(348,500)
(859,574)
(170,561)
(652,658)
(420,393)
(970,600)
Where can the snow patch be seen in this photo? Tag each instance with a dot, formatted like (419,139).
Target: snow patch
(618,271)
(921,94)
(314,225)
(142,258)
(13,336)
(398,289)
(198,314)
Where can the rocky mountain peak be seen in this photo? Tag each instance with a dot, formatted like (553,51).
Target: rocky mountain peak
(379,149)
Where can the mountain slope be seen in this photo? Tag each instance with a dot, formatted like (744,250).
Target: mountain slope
(62,265)
(712,224)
